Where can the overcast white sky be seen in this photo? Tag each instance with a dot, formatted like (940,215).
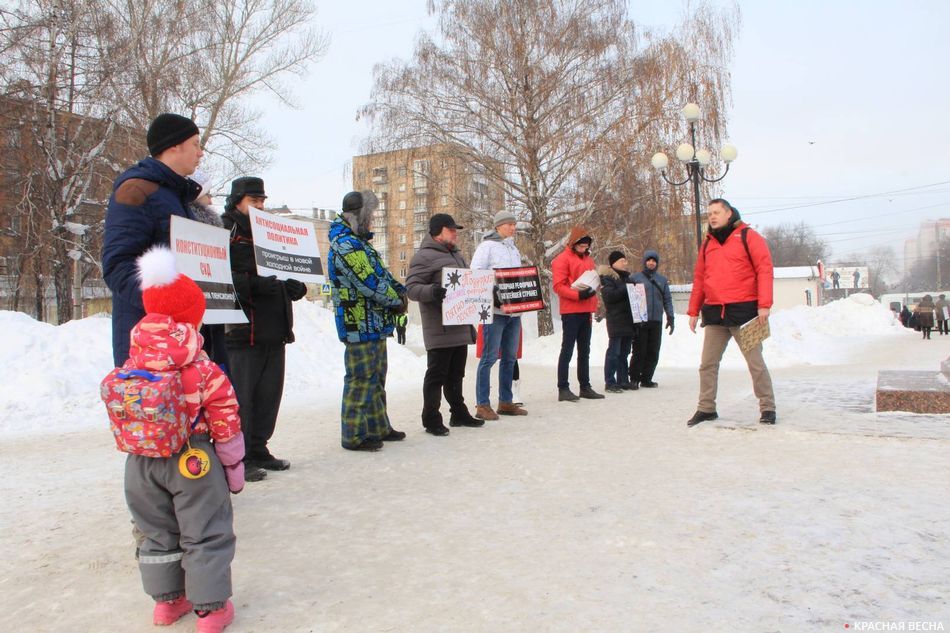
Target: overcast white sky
(831,99)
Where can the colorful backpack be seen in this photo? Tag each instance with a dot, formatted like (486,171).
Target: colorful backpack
(147,411)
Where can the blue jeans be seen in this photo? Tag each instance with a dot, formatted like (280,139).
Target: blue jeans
(501,335)
(575,329)
(615,362)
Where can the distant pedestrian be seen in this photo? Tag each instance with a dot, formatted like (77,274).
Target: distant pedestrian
(650,332)
(940,315)
(925,315)
(857,278)
(144,198)
(577,308)
(732,284)
(446,345)
(366,299)
(614,279)
(835,279)
(905,316)
(402,320)
(501,336)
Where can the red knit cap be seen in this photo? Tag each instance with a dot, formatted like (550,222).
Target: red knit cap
(166,291)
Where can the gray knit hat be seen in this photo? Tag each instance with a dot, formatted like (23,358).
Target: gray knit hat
(503,217)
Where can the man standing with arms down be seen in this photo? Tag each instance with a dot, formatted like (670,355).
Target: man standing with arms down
(732,284)
(446,345)
(366,297)
(139,214)
(659,301)
(498,250)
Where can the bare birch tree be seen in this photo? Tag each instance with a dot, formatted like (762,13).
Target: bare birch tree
(535,93)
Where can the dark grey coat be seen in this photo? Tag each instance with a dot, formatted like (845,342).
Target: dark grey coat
(425,275)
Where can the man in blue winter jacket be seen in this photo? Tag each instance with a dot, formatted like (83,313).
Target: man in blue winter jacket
(139,214)
(646,349)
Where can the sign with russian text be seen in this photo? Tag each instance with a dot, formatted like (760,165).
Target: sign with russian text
(468,296)
(519,289)
(637,293)
(202,252)
(286,248)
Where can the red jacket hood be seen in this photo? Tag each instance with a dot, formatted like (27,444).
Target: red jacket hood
(161,344)
(576,234)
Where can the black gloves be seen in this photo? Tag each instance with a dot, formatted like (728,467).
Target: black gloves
(438,293)
(669,324)
(586,293)
(295,289)
(401,308)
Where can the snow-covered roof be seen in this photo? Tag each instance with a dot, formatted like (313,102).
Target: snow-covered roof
(795,272)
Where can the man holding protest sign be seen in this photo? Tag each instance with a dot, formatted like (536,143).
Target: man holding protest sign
(256,348)
(498,250)
(659,302)
(446,345)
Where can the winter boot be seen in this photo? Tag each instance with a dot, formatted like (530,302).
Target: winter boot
(590,394)
(485,412)
(465,419)
(630,386)
(395,436)
(168,612)
(649,384)
(510,408)
(701,416)
(613,389)
(768,417)
(516,392)
(566,395)
(215,621)
(254,473)
(369,445)
(438,431)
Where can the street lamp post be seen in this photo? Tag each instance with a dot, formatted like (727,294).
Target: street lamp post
(696,162)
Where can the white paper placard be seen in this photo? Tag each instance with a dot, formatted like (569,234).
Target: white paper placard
(286,248)
(637,293)
(468,296)
(203,253)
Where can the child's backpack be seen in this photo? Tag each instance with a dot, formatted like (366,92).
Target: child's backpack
(147,411)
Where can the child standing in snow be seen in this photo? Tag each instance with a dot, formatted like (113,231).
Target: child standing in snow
(182,505)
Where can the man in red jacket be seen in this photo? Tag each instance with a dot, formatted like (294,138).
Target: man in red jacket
(577,308)
(732,284)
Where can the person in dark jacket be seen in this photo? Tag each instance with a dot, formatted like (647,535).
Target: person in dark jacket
(925,315)
(905,316)
(620,327)
(256,349)
(649,335)
(732,285)
(446,345)
(144,198)
(402,320)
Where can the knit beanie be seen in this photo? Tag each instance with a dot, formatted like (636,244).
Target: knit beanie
(166,291)
(614,256)
(169,130)
(503,217)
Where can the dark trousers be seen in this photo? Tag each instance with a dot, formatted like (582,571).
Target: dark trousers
(401,335)
(444,373)
(615,361)
(942,326)
(646,351)
(575,330)
(257,374)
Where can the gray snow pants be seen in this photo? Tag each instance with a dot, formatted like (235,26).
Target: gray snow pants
(187,524)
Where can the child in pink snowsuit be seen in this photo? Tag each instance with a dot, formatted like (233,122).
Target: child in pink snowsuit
(185,557)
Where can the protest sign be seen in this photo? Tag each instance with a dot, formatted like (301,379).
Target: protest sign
(286,248)
(468,296)
(519,289)
(202,252)
(637,294)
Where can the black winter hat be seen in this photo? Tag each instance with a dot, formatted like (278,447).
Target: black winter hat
(441,220)
(614,256)
(352,201)
(247,186)
(168,130)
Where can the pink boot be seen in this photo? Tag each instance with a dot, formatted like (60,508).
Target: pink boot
(216,621)
(169,612)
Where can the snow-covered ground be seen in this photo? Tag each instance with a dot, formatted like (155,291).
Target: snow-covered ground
(602,515)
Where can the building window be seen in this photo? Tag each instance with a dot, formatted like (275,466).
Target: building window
(402,272)
(445,201)
(402,186)
(383,197)
(13,138)
(402,238)
(360,176)
(402,223)
(380,175)
(420,204)
(420,173)
(402,256)
(4,266)
(402,205)
(402,172)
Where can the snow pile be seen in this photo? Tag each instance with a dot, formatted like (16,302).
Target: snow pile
(49,375)
(826,335)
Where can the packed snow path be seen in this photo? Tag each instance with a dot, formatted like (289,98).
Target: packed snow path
(602,515)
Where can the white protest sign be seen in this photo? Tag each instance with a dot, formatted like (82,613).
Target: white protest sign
(637,293)
(202,252)
(468,296)
(286,248)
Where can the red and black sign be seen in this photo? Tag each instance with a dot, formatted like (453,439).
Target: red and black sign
(519,289)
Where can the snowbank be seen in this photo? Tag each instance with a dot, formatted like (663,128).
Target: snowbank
(803,335)
(49,375)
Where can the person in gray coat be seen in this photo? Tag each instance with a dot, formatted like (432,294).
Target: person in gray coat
(646,351)
(446,345)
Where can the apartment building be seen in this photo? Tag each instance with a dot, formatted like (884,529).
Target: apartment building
(414,184)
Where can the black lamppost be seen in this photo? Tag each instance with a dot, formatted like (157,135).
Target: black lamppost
(696,162)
